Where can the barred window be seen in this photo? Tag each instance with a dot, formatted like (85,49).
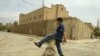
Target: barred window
(62,9)
(40,16)
(34,17)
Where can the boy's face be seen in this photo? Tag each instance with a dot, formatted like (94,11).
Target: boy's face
(58,22)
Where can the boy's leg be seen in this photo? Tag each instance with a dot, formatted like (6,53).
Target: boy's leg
(59,48)
(45,39)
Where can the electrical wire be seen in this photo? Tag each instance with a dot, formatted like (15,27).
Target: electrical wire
(27,2)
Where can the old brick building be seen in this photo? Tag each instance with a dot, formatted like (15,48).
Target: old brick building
(35,21)
(42,21)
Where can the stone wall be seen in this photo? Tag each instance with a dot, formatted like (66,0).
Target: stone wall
(74,28)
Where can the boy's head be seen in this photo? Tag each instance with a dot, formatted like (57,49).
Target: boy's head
(59,21)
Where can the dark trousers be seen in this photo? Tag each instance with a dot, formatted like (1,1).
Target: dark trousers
(50,37)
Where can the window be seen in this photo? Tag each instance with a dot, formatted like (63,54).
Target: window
(24,20)
(27,19)
(62,9)
(34,17)
(40,16)
(30,19)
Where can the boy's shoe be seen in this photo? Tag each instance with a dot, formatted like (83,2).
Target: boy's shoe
(37,44)
(61,55)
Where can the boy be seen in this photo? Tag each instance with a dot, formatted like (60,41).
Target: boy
(58,37)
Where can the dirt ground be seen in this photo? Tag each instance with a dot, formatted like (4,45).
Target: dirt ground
(22,45)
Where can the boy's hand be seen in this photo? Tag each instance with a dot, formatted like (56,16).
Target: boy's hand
(64,38)
(64,41)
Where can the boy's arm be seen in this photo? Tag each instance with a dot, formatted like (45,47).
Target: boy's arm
(64,38)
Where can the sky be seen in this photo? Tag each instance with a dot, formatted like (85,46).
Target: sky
(85,10)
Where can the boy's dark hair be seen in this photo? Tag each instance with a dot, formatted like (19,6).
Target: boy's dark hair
(59,19)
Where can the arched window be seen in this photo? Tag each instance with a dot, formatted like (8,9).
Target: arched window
(34,17)
(62,9)
(40,16)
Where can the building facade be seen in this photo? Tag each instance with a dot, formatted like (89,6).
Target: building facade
(35,21)
(42,21)
(44,13)
(74,28)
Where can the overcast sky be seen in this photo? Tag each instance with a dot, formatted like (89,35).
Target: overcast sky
(85,10)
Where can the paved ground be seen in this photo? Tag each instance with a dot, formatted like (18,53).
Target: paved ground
(22,45)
